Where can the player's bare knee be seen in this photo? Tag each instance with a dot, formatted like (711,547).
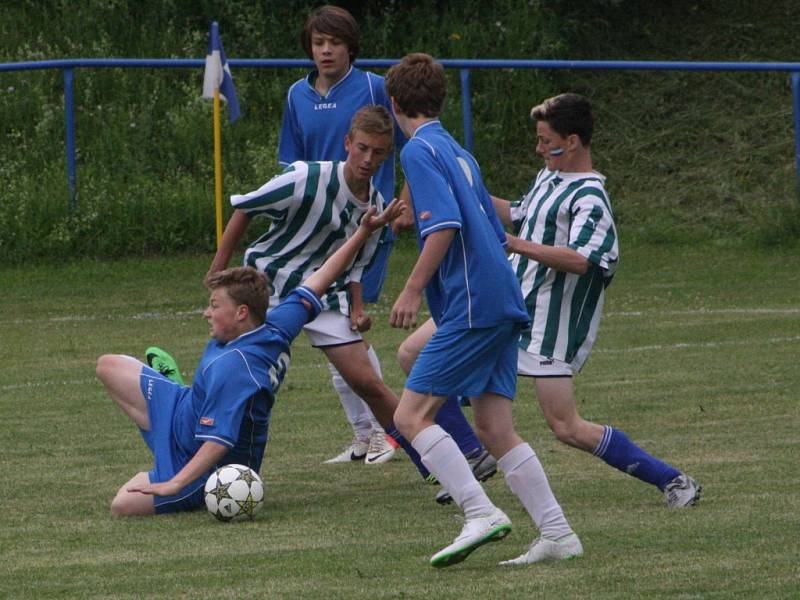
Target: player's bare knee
(120,507)
(105,366)
(406,358)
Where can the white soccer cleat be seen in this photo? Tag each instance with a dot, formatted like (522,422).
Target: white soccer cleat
(355,450)
(543,549)
(476,532)
(682,491)
(379,450)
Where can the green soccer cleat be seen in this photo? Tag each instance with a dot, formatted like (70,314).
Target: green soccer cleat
(162,362)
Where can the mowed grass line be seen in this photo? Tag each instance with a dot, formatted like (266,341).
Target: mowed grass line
(696,360)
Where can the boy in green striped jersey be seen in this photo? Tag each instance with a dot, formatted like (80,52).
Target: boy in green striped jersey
(565,254)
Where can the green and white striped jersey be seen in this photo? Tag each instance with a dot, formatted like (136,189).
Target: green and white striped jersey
(573,210)
(313,212)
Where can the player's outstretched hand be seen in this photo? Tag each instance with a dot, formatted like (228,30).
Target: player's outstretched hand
(372,221)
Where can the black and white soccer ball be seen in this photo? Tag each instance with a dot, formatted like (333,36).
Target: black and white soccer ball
(234,492)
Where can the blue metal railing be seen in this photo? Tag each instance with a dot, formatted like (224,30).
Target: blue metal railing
(67,66)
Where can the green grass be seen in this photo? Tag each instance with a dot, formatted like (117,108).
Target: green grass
(697,361)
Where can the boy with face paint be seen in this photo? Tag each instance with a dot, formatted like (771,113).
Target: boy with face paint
(565,253)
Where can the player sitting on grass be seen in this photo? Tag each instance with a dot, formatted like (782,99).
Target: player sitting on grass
(224,416)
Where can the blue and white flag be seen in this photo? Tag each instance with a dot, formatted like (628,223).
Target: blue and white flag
(218,74)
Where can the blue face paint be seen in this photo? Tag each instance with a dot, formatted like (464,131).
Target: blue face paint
(556,152)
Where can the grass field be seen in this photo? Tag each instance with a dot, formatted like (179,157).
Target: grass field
(697,361)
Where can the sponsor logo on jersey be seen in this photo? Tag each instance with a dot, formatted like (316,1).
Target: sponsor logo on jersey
(208,421)
(325,105)
(425,215)
(546,363)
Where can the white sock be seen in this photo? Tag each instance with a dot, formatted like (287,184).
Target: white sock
(526,478)
(441,456)
(355,409)
(376,364)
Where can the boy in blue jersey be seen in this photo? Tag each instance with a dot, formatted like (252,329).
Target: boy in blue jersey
(477,305)
(224,416)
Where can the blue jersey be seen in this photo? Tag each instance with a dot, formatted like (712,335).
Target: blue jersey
(314,126)
(235,384)
(475,285)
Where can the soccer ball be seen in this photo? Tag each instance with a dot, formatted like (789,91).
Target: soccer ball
(234,493)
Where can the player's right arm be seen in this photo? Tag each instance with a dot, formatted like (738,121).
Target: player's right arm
(503,209)
(231,237)
(406,307)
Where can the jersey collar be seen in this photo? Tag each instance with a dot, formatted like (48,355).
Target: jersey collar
(312,77)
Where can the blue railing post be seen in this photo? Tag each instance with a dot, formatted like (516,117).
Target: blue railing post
(796,108)
(466,109)
(69,126)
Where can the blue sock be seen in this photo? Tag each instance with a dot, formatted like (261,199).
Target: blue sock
(412,454)
(451,418)
(618,451)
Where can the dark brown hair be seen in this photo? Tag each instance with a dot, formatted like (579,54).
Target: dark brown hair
(244,285)
(567,114)
(333,21)
(417,85)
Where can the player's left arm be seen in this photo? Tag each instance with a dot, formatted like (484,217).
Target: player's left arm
(560,258)
(209,454)
(338,262)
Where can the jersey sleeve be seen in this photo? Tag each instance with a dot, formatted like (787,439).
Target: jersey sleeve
(592,233)
(291,314)
(230,384)
(276,197)
(435,207)
(290,142)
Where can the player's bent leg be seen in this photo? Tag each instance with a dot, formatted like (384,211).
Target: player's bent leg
(557,401)
(133,504)
(120,374)
(494,423)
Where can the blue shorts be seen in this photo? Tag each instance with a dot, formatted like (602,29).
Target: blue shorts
(162,396)
(372,279)
(468,362)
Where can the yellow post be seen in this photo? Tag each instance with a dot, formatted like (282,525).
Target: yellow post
(217,166)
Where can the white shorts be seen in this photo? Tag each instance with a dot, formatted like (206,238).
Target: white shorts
(331,328)
(535,365)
